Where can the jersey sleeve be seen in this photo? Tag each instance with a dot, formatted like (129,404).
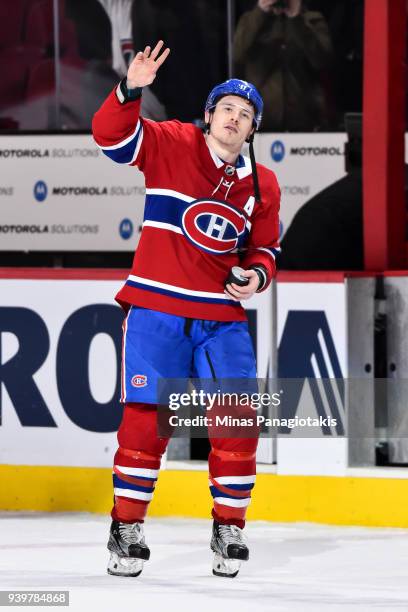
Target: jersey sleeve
(263,243)
(127,138)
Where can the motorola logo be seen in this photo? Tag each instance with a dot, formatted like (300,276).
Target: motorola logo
(278,151)
(40,191)
(126,229)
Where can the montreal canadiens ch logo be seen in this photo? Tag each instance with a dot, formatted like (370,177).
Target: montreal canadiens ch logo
(213,226)
(139,380)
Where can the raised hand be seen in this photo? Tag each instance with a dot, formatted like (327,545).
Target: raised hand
(142,71)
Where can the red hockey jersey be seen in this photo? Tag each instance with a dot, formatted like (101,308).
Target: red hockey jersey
(200,216)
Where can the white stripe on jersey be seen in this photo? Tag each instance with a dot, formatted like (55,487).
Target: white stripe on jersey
(170,193)
(269,251)
(160,225)
(152,283)
(139,144)
(122,143)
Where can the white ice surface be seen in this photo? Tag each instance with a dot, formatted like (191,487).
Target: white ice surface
(292,567)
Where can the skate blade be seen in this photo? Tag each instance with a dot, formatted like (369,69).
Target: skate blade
(227,568)
(124,566)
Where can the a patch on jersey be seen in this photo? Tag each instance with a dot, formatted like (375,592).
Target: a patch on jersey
(139,380)
(213,226)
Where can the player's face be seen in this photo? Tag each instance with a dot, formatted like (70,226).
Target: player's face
(232,121)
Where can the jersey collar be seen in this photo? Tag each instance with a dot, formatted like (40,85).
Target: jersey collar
(242,165)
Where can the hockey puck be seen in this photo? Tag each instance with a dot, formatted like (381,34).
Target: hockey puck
(235,276)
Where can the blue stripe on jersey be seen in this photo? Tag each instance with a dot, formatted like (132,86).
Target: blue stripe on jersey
(119,483)
(182,296)
(216,493)
(164,208)
(124,155)
(168,209)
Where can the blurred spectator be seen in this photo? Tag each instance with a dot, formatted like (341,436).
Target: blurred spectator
(198,30)
(327,232)
(123,52)
(283,48)
(104,29)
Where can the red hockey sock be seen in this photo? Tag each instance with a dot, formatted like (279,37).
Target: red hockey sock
(136,463)
(232,467)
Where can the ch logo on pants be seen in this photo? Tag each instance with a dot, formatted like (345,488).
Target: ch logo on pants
(139,380)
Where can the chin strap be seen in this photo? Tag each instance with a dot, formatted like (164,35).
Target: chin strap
(254,171)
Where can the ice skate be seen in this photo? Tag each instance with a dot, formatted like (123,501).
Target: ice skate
(229,547)
(128,549)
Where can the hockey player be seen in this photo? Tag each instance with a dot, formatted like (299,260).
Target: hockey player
(207,209)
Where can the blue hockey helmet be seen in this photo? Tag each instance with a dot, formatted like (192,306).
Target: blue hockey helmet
(236,87)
